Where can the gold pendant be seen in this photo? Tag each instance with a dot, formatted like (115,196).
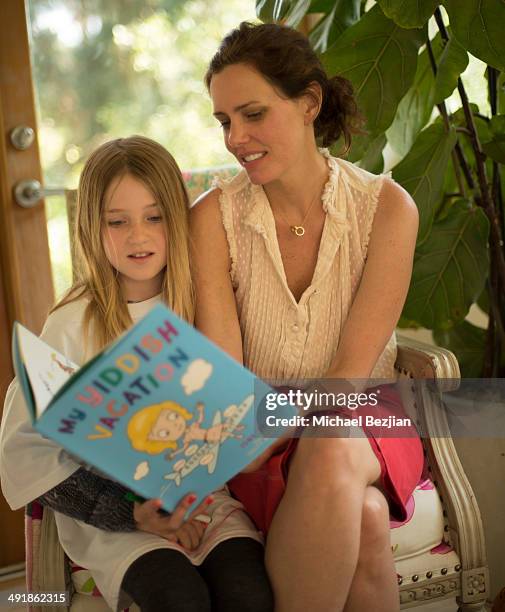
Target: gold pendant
(298,230)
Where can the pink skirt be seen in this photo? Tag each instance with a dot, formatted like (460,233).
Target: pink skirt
(398,450)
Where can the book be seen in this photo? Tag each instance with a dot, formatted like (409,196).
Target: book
(161,410)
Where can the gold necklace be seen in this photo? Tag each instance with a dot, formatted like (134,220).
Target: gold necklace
(299,230)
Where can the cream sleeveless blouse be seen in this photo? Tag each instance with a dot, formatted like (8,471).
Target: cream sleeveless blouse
(283,339)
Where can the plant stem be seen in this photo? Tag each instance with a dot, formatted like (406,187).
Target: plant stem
(493,74)
(485,200)
(457,156)
(487,367)
(499,344)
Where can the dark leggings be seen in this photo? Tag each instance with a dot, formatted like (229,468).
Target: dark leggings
(231,579)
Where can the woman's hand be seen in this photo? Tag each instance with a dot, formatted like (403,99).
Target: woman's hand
(172,527)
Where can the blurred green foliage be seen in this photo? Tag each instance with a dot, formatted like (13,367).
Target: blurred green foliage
(109,68)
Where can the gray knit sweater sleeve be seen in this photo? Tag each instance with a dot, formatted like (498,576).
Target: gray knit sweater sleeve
(93,499)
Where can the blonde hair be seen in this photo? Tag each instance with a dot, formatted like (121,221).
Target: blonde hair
(147,161)
(142,422)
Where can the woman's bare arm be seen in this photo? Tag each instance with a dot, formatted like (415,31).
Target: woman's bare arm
(216,313)
(384,285)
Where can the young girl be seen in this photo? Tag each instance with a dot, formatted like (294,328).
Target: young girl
(302,266)
(132,236)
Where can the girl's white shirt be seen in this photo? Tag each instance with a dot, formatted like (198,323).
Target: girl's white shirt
(31,465)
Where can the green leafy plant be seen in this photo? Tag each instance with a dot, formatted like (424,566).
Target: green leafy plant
(405,58)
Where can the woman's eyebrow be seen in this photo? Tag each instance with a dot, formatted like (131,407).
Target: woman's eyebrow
(237,108)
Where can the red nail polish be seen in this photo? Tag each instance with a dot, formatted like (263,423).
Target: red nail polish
(191,499)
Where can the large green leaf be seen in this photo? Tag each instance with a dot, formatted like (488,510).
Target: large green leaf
(483,301)
(422,172)
(322,6)
(341,16)
(495,146)
(373,159)
(479,27)
(272,10)
(468,343)
(361,143)
(450,269)
(501,92)
(453,62)
(296,12)
(416,106)
(409,13)
(380,59)
(484,133)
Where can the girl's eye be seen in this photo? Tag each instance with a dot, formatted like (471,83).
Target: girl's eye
(171,416)
(155,218)
(225,124)
(114,222)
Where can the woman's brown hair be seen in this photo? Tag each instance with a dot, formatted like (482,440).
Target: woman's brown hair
(284,57)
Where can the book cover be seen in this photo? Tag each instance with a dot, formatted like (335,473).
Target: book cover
(162,409)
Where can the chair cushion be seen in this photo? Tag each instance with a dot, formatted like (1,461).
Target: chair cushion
(423,528)
(419,549)
(83,581)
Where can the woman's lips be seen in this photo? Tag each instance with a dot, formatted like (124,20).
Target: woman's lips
(252,158)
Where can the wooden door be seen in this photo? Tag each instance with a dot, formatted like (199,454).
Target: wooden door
(26,290)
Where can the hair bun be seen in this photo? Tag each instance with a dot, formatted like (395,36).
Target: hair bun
(339,115)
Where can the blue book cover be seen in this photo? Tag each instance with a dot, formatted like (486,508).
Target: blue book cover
(162,410)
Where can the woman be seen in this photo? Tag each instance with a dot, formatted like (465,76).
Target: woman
(301,266)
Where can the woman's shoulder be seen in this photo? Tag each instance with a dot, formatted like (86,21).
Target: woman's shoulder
(221,186)
(359,177)
(230,185)
(228,200)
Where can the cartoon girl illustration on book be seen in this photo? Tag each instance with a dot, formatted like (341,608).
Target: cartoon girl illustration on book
(161,427)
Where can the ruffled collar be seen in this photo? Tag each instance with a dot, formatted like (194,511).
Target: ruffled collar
(328,197)
(258,217)
(334,200)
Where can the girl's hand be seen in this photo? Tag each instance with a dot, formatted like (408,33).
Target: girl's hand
(190,534)
(166,526)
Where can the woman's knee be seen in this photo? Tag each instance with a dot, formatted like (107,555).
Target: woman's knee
(343,462)
(375,538)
